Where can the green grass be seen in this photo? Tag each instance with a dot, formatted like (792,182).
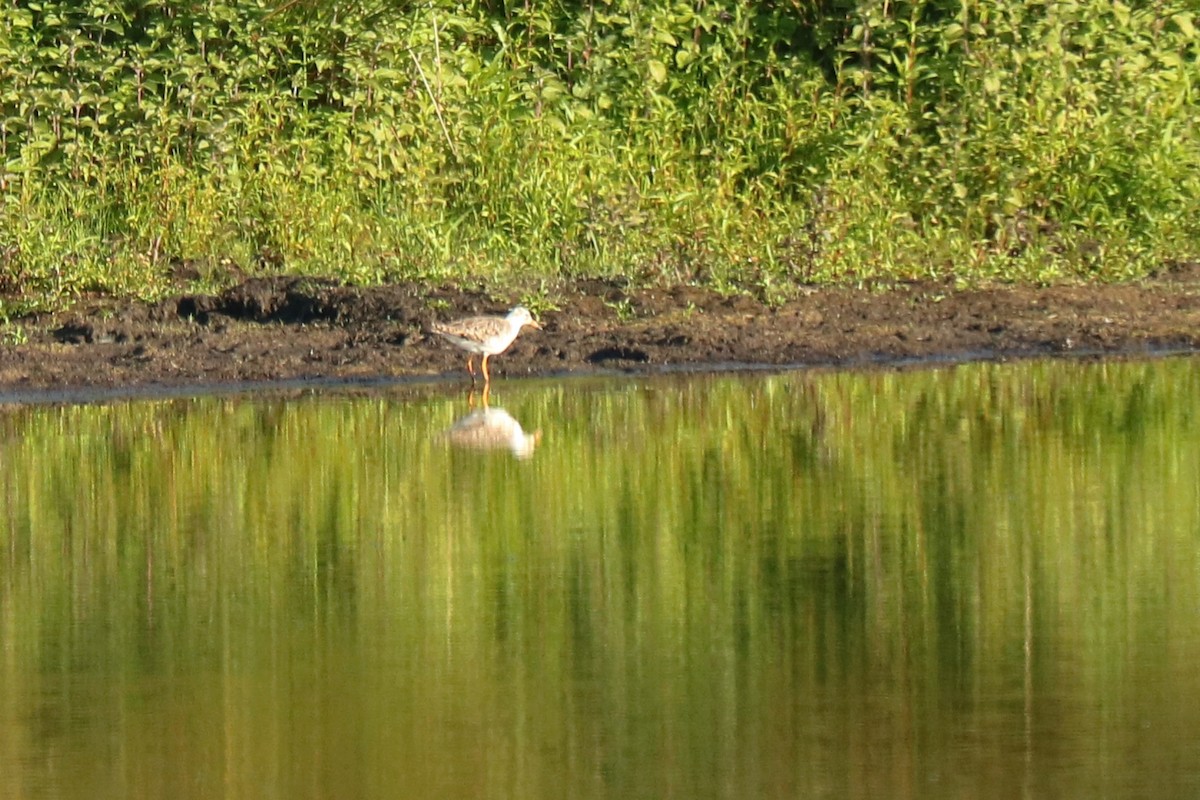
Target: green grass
(747,147)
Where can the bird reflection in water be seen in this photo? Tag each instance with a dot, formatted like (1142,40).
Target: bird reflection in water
(490,428)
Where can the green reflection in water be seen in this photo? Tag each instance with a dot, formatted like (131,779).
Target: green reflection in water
(982,580)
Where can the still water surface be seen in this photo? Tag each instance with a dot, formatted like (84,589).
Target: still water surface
(974,581)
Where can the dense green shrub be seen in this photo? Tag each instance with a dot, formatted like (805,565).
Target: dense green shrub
(743,144)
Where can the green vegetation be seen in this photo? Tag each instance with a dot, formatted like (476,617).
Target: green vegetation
(744,145)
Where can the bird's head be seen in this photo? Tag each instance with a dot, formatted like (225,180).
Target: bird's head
(521,315)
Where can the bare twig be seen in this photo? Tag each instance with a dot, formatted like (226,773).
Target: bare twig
(437,105)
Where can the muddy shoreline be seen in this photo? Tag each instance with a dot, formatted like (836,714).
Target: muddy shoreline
(289,330)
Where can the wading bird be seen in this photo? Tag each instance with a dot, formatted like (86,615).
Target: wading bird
(486,335)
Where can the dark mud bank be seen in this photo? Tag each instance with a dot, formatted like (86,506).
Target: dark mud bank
(289,329)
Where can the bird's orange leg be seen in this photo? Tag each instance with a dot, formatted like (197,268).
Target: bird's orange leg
(487,379)
(471,369)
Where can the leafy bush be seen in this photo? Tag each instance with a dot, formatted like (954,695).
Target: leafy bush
(746,145)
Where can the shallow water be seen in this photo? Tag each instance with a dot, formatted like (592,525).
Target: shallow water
(972,581)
